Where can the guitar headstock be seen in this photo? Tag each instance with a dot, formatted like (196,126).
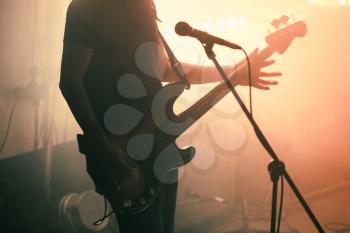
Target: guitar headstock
(276,23)
(280,40)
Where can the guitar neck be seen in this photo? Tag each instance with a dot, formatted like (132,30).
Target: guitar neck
(203,105)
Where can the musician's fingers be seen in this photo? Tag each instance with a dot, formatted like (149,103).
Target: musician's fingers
(270,74)
(124,161)
(267,63)
(261,87)
(267,82)
(129,162)
(254,53)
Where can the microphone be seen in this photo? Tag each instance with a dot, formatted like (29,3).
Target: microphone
(184,29)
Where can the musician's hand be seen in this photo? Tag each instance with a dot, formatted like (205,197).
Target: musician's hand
(115,161)
(260,79)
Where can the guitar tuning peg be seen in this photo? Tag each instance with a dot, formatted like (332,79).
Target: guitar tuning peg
(268,29)
(275,23)
(293,17)
(284,19)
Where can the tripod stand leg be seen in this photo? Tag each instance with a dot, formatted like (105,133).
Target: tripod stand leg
(303,202)
(275,169)
(274,206)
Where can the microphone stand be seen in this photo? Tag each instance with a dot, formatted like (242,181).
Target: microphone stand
(276,168)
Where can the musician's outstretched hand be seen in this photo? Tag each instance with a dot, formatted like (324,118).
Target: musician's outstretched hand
(260,79)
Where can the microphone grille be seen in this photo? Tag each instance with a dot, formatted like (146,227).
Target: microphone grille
(183,28)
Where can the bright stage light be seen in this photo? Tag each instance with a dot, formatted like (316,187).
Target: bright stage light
(220,24)
(329,3)
(242,21)
(207,26)
(342,2)
(231,23)
(215,25)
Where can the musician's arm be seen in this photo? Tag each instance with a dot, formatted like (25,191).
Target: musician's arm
(75,60)
(207,74)
(197,74)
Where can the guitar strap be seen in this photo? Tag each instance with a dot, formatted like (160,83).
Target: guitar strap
(175,64)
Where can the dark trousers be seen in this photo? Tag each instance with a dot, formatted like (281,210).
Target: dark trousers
(158,218)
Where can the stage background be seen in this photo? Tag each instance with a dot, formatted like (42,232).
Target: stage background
(305,117)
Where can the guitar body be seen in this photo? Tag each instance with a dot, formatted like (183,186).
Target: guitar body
(152,146)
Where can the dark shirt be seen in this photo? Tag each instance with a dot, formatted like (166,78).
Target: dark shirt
(125,44)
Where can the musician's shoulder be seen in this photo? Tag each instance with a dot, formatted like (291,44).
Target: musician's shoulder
(77,5)
(88,10)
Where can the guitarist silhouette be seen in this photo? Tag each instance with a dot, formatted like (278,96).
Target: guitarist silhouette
(113,66)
